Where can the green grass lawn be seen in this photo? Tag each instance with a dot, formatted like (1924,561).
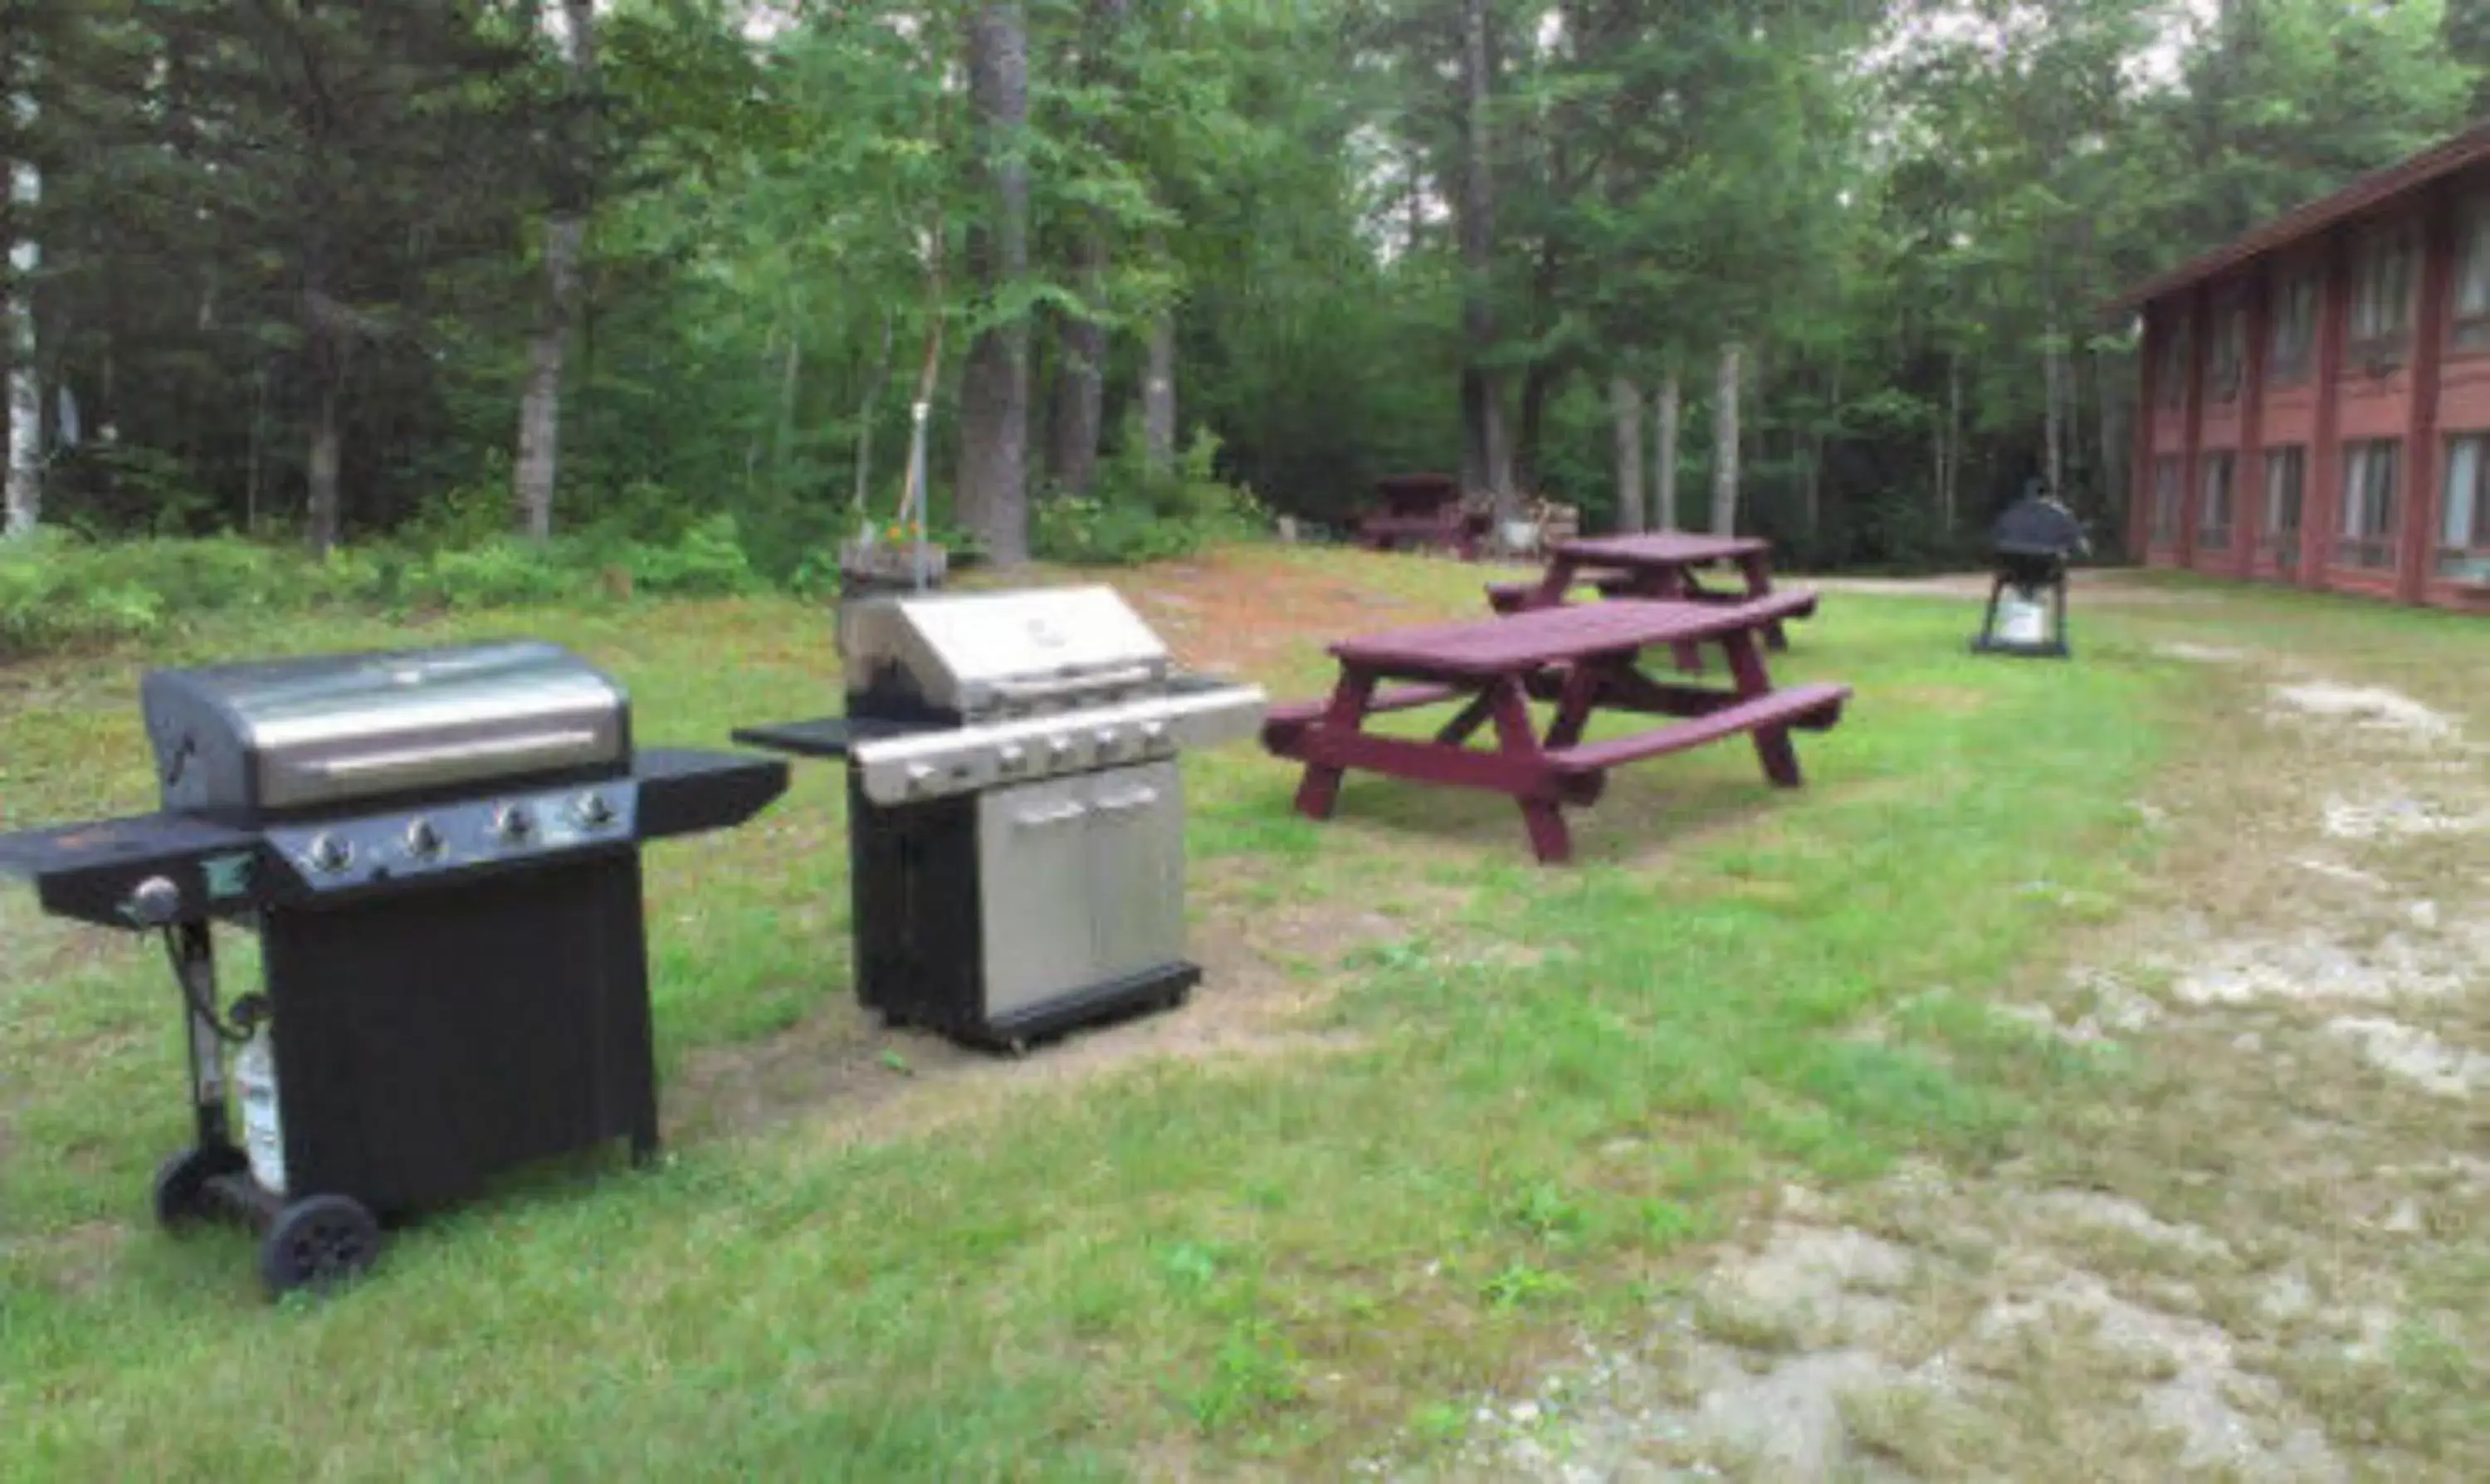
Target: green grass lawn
(1521,1104)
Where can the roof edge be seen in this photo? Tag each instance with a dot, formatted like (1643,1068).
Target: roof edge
(2375,188)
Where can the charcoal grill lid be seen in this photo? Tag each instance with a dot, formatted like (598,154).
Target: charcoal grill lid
(2037,527)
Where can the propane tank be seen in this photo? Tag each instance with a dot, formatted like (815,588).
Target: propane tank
(263,1137)
(2022,619)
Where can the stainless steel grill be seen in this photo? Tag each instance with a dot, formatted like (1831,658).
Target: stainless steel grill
(439,851)
(1016,812)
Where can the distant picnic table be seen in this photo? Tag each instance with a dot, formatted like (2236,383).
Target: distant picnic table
(1582,657)
(1656,563)
(1422,509)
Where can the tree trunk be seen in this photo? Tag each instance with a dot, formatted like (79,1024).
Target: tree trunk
(537,465)
(2053,417)
(992,500)
(1725,442)
(327,442)
(1080,378)
(1625,401)
(24,479)
(1487,455)
(1950,475)
(2111,494)
(1158,396)
(1538,385)
(1666,411)
(1826,421)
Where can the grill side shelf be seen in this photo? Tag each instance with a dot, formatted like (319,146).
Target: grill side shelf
(91,872)
(686,792)
(830,737)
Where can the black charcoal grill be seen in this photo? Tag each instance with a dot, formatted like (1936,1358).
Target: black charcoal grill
(1015,811)
(440,853)
(2030,547)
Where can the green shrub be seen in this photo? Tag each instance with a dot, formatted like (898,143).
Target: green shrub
(707,561)
(1137,515)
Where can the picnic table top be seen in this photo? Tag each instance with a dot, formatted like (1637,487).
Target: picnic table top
(1487,648)
(1657,547)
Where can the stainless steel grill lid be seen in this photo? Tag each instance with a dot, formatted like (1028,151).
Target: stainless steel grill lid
(234,742)
(977,654)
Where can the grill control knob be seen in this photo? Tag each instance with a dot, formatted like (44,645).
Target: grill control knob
(920,774)
(511,823)
(1059,748)
(330,854)
(423,841)
(1011,757)
(592,810)
(1108,740)
(1155,735)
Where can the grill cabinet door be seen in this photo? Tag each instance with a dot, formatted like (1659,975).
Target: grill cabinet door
(1137,864)
(1033,862)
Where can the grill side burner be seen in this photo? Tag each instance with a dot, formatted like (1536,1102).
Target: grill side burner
(439,851)
(1015,810)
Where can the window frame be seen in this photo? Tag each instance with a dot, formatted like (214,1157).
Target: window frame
(2289,361)
(2170,380)
(2211,537)
(2372,547)
(2468,328)
(2227,357)
(2470,562)
(2281,538)
(2169,498)
(2376,343)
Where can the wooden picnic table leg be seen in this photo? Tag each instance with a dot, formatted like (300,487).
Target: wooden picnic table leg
(1584,681)
(1772,742)
(1553,584)
(1758,566)
(1549,840)
(1675,583)
(1319,790)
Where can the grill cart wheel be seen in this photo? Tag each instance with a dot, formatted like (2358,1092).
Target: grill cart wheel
(180,1193)
(317,1243)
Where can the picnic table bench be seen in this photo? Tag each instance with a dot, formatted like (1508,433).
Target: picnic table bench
(1580,657)
(1657,563)
(1422,509)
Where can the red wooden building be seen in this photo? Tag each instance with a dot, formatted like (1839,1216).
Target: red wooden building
(2316,405)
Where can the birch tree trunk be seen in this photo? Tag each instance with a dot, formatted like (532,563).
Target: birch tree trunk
(24,504)
(1725,442)
(1949,501)
(1666,409)
(539,462)
(992,499)
(1158,396)
(1625,401)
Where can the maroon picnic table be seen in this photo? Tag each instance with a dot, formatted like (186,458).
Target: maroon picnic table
(1657,563)
(1422,509)
(1581,657)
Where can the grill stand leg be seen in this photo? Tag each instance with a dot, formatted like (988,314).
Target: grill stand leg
(189,1185)
(194,960)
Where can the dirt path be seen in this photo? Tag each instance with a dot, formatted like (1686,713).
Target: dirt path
(2262,1253)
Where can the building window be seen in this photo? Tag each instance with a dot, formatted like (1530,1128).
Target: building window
(2381,292)
(2294,340)
(2463,518)
(2287,471)
(2471,309)
(2227,357)
(2167,488)
(2368,529)
(2170,378)
(2213,510)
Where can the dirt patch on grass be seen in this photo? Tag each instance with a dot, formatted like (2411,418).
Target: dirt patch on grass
(1266,976)
(2242,1265)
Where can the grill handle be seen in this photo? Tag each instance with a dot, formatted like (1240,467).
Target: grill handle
(1015,692)
(1127,804)
(425,761)
(1061,814)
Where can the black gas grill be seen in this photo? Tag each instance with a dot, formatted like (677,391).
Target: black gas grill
(2030,547)
(440,853)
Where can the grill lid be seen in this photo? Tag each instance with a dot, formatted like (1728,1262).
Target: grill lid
(976,655)
(234,742)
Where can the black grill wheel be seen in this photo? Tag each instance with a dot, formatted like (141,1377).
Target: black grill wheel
(316,1244)
(181,1190)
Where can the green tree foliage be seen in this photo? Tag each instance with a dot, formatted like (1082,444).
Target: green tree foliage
(293,249)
